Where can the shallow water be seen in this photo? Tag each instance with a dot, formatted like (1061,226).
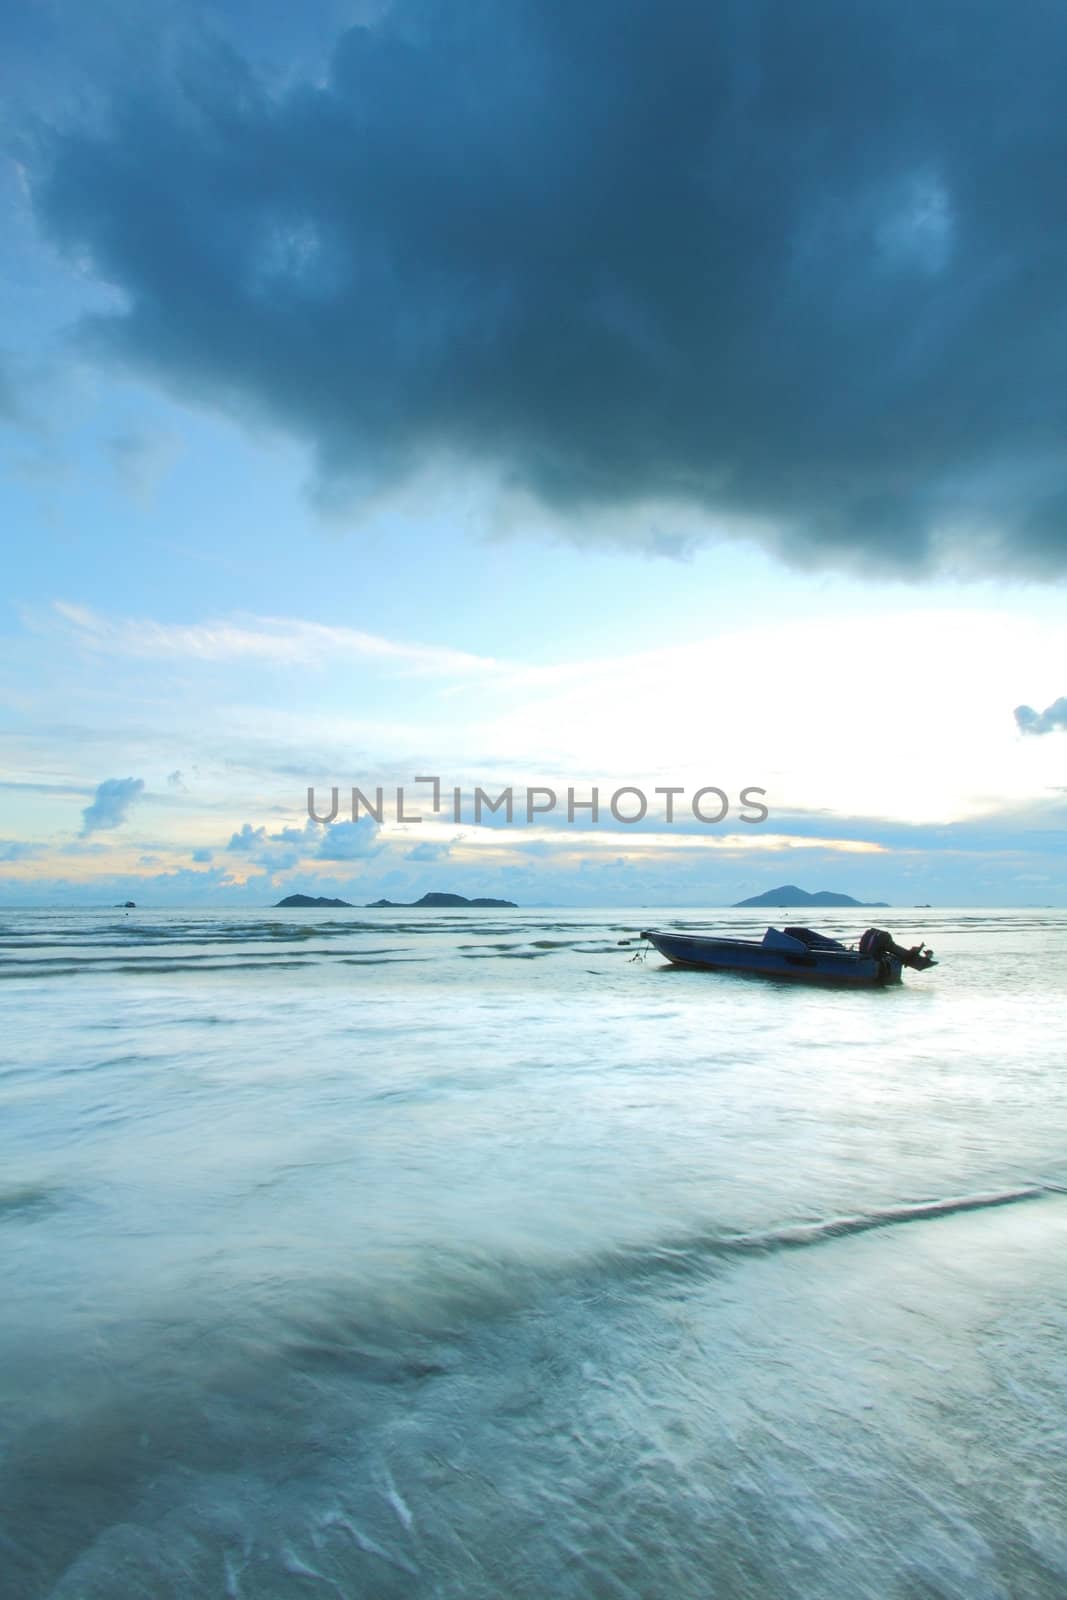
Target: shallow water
(422,1254)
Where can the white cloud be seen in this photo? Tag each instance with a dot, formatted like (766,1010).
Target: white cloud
(897,715)
(901,714)
(349,841)
(113,799)
(1053,718)
(340,841)
(429,851)
(282,640)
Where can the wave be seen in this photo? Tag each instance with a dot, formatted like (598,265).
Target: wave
(381,1334)
(799,1235)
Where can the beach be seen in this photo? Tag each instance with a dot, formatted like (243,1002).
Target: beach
(385,1253)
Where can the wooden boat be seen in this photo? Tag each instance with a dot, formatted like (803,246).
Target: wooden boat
(798,955)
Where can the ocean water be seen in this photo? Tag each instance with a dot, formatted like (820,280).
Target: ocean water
(401,1254)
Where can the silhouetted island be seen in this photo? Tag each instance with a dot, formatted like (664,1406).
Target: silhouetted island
(789,895)
(309,900)
(436,902)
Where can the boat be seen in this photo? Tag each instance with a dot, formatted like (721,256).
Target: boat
(798,955)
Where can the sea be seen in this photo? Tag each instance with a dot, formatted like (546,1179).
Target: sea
(481,1254)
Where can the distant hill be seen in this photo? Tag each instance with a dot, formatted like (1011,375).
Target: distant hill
(789,895)
(434,902)
(309,900)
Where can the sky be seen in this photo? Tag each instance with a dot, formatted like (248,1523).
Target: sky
(625,395)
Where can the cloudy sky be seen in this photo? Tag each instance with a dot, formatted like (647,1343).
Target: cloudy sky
(607,394)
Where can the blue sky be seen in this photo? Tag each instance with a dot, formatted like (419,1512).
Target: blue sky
(385,394)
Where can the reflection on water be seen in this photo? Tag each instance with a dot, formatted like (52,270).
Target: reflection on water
(462,1255)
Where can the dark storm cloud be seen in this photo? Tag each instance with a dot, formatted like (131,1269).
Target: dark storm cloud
(794,263)
(1053,718)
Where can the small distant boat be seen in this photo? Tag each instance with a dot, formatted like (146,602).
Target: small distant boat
(798,955)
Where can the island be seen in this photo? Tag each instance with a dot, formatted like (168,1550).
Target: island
(789,895)
(312,900)
(436,902)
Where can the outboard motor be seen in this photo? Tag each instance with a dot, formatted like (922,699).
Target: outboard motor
(876,943)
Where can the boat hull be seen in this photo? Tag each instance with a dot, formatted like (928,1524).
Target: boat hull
(839,969)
